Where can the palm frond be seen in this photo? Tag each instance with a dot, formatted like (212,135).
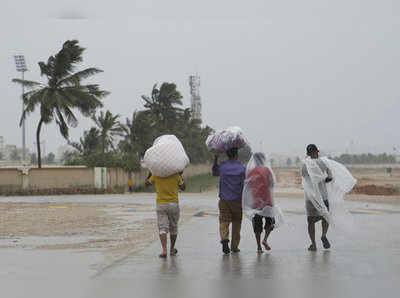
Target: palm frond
(28,84)
(71,119)
(85,102)
(31,100)
(62,124)
(44,69)
(92,89)
(66,57)
(76,78)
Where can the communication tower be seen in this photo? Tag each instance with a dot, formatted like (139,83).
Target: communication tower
(194,82)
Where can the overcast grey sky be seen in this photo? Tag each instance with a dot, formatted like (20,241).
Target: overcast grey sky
(288,72)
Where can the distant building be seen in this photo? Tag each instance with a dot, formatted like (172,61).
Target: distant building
(9,150)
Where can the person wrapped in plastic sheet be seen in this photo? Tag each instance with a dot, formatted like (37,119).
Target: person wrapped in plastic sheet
(325,183)
(257,202)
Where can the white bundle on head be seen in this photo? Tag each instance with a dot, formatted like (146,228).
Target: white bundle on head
(223,140)
(166,157)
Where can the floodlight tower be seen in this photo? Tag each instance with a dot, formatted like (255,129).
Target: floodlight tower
(21,67)
(194,82)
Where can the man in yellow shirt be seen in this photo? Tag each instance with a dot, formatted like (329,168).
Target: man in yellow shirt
(167,208)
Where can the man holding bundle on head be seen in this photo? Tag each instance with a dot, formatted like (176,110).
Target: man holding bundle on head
(232,175)
(167,208)
(166,160)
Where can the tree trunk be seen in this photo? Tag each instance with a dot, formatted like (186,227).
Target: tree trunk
(38,143)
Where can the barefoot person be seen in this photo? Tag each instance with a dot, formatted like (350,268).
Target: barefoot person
(315,175)
(258,203)
(232,174)
(167,208)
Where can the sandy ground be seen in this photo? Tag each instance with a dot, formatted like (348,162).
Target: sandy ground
(116,230)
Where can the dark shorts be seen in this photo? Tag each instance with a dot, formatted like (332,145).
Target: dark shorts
(258,223)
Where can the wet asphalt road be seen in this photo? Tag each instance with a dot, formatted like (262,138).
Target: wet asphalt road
(362,263)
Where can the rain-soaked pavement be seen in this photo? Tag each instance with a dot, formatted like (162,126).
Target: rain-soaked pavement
(362,263)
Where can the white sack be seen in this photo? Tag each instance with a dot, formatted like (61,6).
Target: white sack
(226,139)
(166,157)
(258,191)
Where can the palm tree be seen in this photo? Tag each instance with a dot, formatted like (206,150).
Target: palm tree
(89,143)
(62,92)
(162,104)
(109,127)
(139,133)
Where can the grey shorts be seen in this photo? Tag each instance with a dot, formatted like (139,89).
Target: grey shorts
(312,211)
(167,218)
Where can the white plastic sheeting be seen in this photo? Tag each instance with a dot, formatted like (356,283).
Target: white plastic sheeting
(342,183)
(226,139)
(166,157)
(258,190)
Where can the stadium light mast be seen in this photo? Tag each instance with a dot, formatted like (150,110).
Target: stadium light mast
(194,82)
(21,67)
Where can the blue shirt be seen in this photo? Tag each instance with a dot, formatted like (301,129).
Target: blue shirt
(232,174)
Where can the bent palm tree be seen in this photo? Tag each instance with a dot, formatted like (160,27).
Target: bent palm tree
(164,105)
(139,133)
(63,91)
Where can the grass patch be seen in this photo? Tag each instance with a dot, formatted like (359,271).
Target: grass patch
(195,184)
(144,188)
(201,183)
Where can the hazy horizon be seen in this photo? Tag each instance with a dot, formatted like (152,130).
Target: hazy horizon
(289,73)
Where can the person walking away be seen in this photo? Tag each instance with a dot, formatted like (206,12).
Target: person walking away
(232,175)
(167,208)
(258,203)
(315,175)
(130,184)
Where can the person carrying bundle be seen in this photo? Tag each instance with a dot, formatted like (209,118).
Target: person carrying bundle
(166,160)
(232,175)
(167,208)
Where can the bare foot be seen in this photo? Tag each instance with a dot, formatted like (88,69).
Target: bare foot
(173,252)
(267,247)
(312,247)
